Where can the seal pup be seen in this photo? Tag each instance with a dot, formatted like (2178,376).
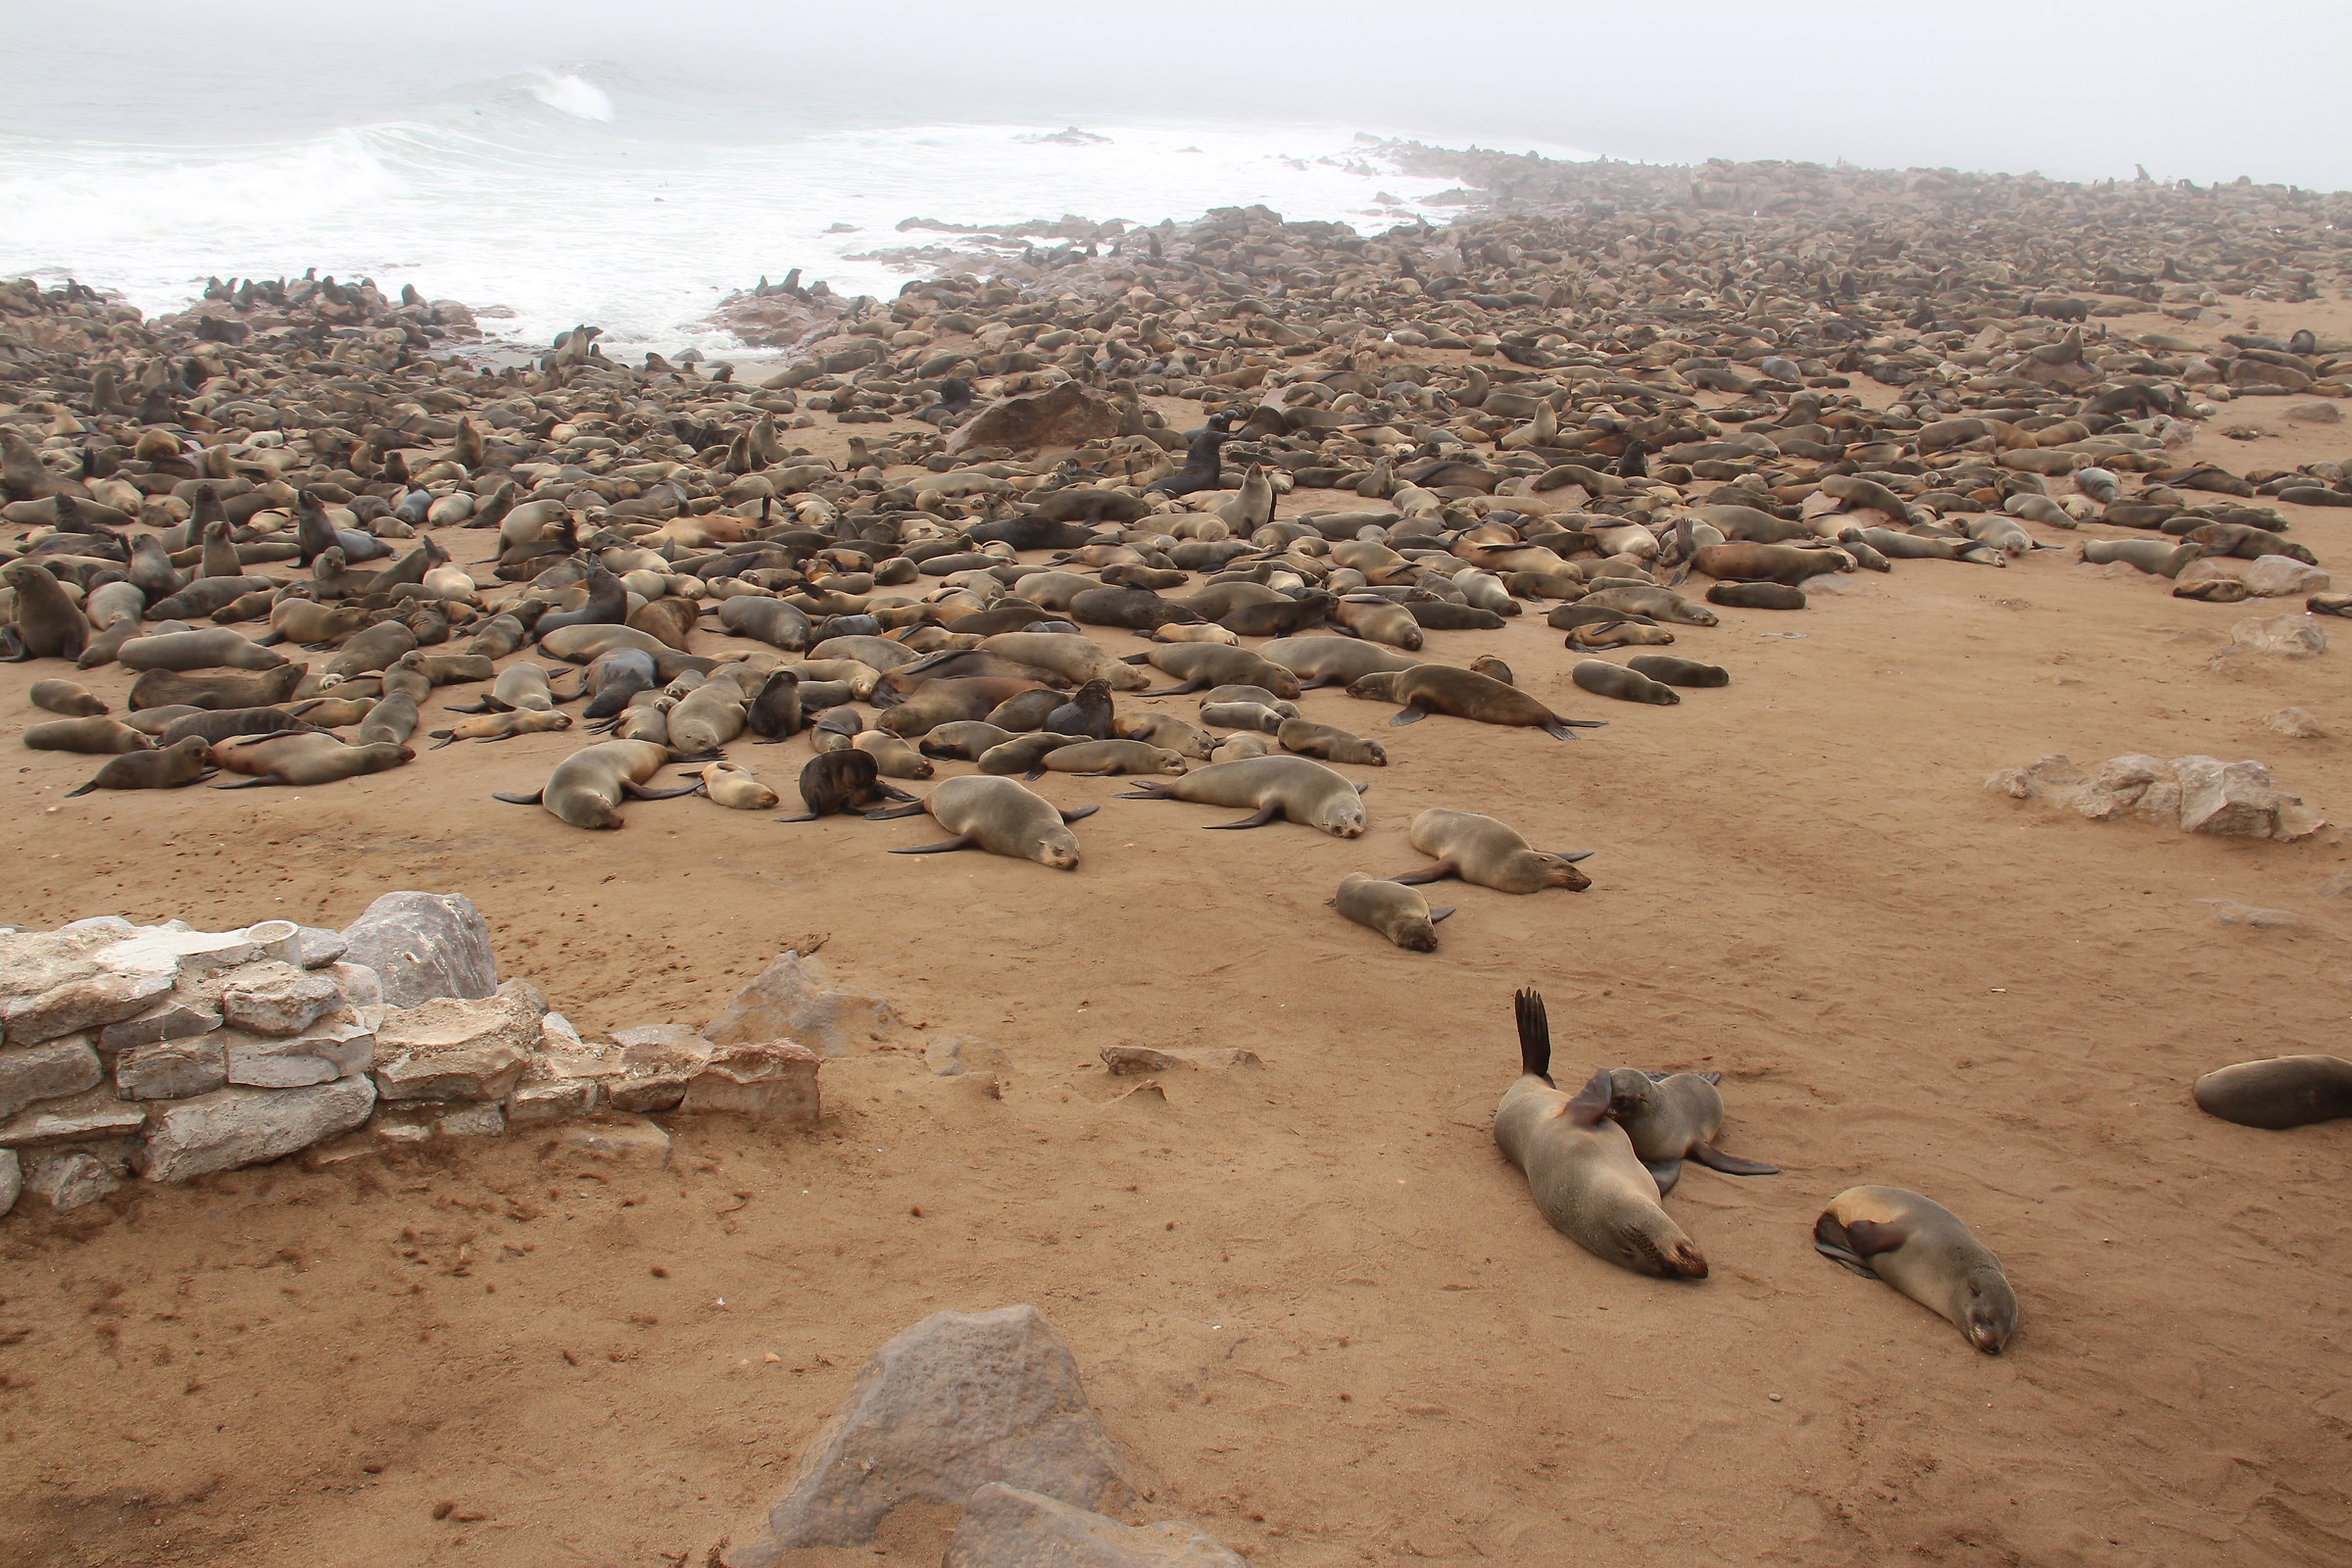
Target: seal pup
(94,736)
(1396,912)
(1102,758)
(734,787)
(1086,714)
(66,697)
(1489,853)
(1001,816)
(1923,1249)
(846,780)
(587,787)
(1329,743)
(1756,596)
(169,767)
(2278,1092)
(1580,1165)
(1288,787)
(486,727)
(1427,689)
(1672,1118)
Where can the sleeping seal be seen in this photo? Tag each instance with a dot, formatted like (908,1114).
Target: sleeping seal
(1921,1248)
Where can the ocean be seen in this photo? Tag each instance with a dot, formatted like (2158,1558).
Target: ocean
(631,200)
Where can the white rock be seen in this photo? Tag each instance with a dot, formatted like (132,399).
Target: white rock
(630,1139)
(172,1070)
(12,1179)
(534,1105)
(277,998)
(2225,797)
(472,1121)
(50,1070)
(233,1127)
(317,1055)
(93,1116)
(181,1015)
(2276,576)
(452,1049)
(2295,724)
(315,946)
(108,995)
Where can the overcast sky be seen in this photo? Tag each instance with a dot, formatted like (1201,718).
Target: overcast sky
(2075,88)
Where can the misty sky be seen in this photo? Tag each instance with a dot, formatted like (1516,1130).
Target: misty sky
(2075,88)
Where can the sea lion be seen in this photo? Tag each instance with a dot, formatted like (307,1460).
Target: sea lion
(1288,787)
(841,781)
(1003,818)
(1628,685)
(1427,689)
(48,625)
(943,701)
(1281,618)
(1674,671)
(735,788)
(1603,636)
(221,648)
(2157,560)
(1243,715)
(1396,912)
(1672,1118)
(227,723)
(774,712)
(1443,614)
(2278,1092)
(1100,759)
(486,727)
(1921,1248)
(1658,603)
(1072,656)
(587,787)
(1020,754)
(68,697)
(1494,669)
(1087,713)
(394,718)
(1329,743)
(1759,563)
(169,767)
(894,756)
(2246,542)
(1756,596)
(1198,666)
(1489,853)
(1162,729)
(1134,608)
(1248,694)
(301,759)
(1376,621)
(2214,591)
(1580,1165)
(707,717)
(1333,661)
(963,740)
(164,688)
(96,735)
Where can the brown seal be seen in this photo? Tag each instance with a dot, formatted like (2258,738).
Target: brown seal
(1329,743)
(1332,660)
(586,788)
(1003,818)
(2278,1092)
(1288,787)
(1672,1118)
(1102,758)
(169,769)
(1756,596)
(1604,680)
(48,623)
(1489,853)
(95,736)
(1672,672)
(1198,666)
(303,759)
(1427,689)
(1396,912)
(68,697)
(1921,1248)
(1580,1165)
(1791,565)
(164,688)
(841,781)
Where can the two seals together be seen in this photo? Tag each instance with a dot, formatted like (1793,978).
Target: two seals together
(1597,1163)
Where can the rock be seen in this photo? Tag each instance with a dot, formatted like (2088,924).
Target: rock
(2014,782)
(2336,886)
(957,1400)
(277,998)
(93,1116)
(630,1139)
(2296,820)
(642,1091)
(2160,803)
(2129,775)
(532,1105)
(2276,576)
(2225,797)
(172,1070)
(2295,724)
(1066,414)
(187,951)
(50,1070)
(771,1082)
(794,998)
(2056,768)
(315,946)
(2227,911)
(1006,1527)
(12,1179)
(316,1057)
(182,1016)
(362,988)
(1126,1061)
(91,1002)
(34,962)
(662,1043)
(68,1181)
(233,1127)
(2315,413)
(2288,636)
(422,945)
(452,1049)
(2261,375)
(472,1121)
(950,1056)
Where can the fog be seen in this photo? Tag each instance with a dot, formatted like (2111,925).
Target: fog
(2074,90)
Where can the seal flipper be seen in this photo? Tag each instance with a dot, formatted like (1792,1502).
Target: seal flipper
(961,840)
(638,792)
(1080,812)
(1665,1172)
(1591,1105)
(1435,871)
(913,808)
(1410,716)
(1257,818)
(1146,790)
(1435,916)
(442,737)
(531,798)
(1534,1034)
(1361,788)
(1714,1159)
(1833,1241)
(1558,730)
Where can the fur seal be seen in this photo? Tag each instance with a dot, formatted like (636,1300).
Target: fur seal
(841,781)
(1489,853)
(164,688)
(1104,758)
(1162,729)
(1288,787)
(963,740)
(587,787)
(487,727)
(1580,1165)
(1781,564)
(1396,912)
(95,736)
(1427,689)
(48,625)
(1333,661)
(894,756)
(301,759)
(1020,754)
(1376,620)
(1658,603)
(1003,818)
(1087,713)
(1198,666)
(1628,685)
(394,718)
(1672,672)
(1756,596)
(1921,1248)
(1241,716)
(170,767)
(2278,1092)
(221,648)
(734,788)
(943,702)
(68,697)
(1672,1118)
(2158,560)
(1329,743)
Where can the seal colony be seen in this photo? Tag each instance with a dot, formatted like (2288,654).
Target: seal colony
(1221,450)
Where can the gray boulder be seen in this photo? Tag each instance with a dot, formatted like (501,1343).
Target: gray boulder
(448,1049)
(794,999)
(277,998)
(47,1072)
(422,945)
(1005,1527)
(12,1179)
(957,1400)
(233,1127)
(69,1180)
(774,1082)
(172,1070)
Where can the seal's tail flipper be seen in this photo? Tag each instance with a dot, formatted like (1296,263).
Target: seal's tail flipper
(1831,1242)
(1534,1035)
(1714,1159)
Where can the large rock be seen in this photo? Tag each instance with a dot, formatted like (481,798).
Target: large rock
(233,1127)
(50,1070)
(93,1116)
(172,1070)
(277,998)
(1066,414)
(2261,375)
(91,1002)
(69,1180)
(448,1049)
(774,1082)
(1005,1527)
(2278,576)
(184,1014)
(12,1179)
(317,1055)
(957,1400)
(794,999)
(422,945)
(2225,797)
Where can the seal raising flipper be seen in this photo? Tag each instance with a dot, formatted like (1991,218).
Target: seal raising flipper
(1834,1242)
(1534,1034)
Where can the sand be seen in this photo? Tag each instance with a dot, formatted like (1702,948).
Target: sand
(1315,1307)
